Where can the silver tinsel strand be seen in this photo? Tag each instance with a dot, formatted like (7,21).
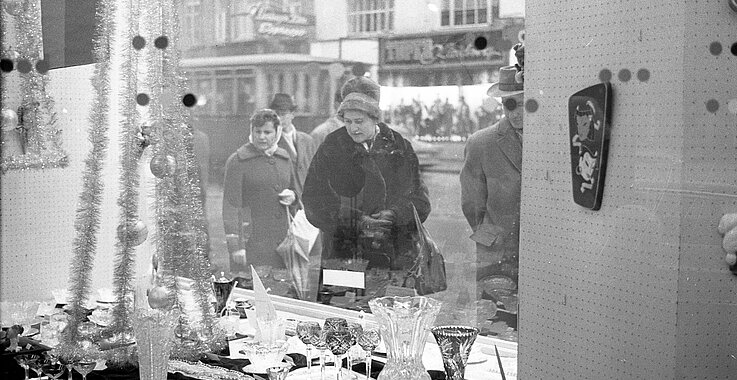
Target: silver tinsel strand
(124,271)
(43,147)
(87,221)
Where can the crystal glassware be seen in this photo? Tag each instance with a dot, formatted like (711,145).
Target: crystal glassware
(34,363)
(368,340)
(335,323)
(154,330)
(22,361)
(403,324)
(264,355)
(84,366)
(52,367)
(339,342)
(319,343)
(307,331)
(356,330)
(455,345)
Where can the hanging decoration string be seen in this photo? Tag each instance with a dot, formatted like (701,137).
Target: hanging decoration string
(87,221)
(131,231)
(182,237)
(40,138)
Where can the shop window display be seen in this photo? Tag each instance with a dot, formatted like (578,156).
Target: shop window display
(228,92)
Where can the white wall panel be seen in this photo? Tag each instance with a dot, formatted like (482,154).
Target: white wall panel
(638,289)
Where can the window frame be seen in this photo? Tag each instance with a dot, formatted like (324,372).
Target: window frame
(450,13)
(368,17)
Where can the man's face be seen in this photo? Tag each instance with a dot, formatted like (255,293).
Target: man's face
(514,110)
(286,117)
(359,125)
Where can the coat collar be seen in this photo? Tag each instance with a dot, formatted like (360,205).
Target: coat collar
(248,151)
(509,143)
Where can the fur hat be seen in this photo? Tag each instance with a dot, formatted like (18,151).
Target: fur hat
(282,102)
(363,85)
(360,102)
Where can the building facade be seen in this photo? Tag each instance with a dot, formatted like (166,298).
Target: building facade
(433,43)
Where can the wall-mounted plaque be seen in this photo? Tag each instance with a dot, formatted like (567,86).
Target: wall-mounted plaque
(589,118)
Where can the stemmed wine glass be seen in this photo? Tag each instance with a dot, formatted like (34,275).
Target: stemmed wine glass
(34,363)
(23,362)
(334,323)
(307,332)
(52,367)
(356,330)
(368,340)
(339,342)
(319,342)
(84,366)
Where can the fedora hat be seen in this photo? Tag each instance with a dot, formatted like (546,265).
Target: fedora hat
(507,85)
(282,102)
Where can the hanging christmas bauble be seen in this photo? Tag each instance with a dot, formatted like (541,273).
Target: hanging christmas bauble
(158,297)
(163,165)
(136,233)
(10,120)
(14,7)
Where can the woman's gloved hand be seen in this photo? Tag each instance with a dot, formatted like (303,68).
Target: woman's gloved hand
(287,197)
(371,225)
(387,215)
(728,228)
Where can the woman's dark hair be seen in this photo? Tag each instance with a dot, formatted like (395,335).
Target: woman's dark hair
(260,118)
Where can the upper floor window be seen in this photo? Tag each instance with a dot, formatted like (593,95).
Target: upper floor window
(191,25)
(366,16)
(464,12)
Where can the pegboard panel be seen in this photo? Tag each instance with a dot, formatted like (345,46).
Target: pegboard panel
(39,206)
(638,289)
(707,332)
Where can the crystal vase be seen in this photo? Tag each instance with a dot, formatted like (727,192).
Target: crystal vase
(404,323)
(455,344)
(154,331)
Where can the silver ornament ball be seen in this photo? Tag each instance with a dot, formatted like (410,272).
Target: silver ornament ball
(163,165)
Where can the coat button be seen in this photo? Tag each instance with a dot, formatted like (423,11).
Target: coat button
(272,161)
(277,188)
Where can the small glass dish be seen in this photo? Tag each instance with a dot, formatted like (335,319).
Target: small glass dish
(262,356)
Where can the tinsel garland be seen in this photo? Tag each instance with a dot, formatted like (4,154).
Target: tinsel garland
(87,221)
(127,238)
(43,149)
(182,236)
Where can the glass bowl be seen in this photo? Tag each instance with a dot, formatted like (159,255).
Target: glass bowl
(262,356)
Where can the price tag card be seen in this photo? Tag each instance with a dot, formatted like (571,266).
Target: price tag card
(347,278)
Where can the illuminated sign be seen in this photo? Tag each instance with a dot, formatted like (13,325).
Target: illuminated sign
(280,24)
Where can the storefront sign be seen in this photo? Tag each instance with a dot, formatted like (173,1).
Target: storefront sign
(455,48)
(281,24)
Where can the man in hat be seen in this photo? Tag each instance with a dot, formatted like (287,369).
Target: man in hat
(300,145)
(491,178)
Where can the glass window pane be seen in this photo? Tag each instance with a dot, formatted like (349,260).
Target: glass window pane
(445,18)
(308,93)
(224,96)
(458,17)
(482,14)
(446,5)
(245,102)
(470,16)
